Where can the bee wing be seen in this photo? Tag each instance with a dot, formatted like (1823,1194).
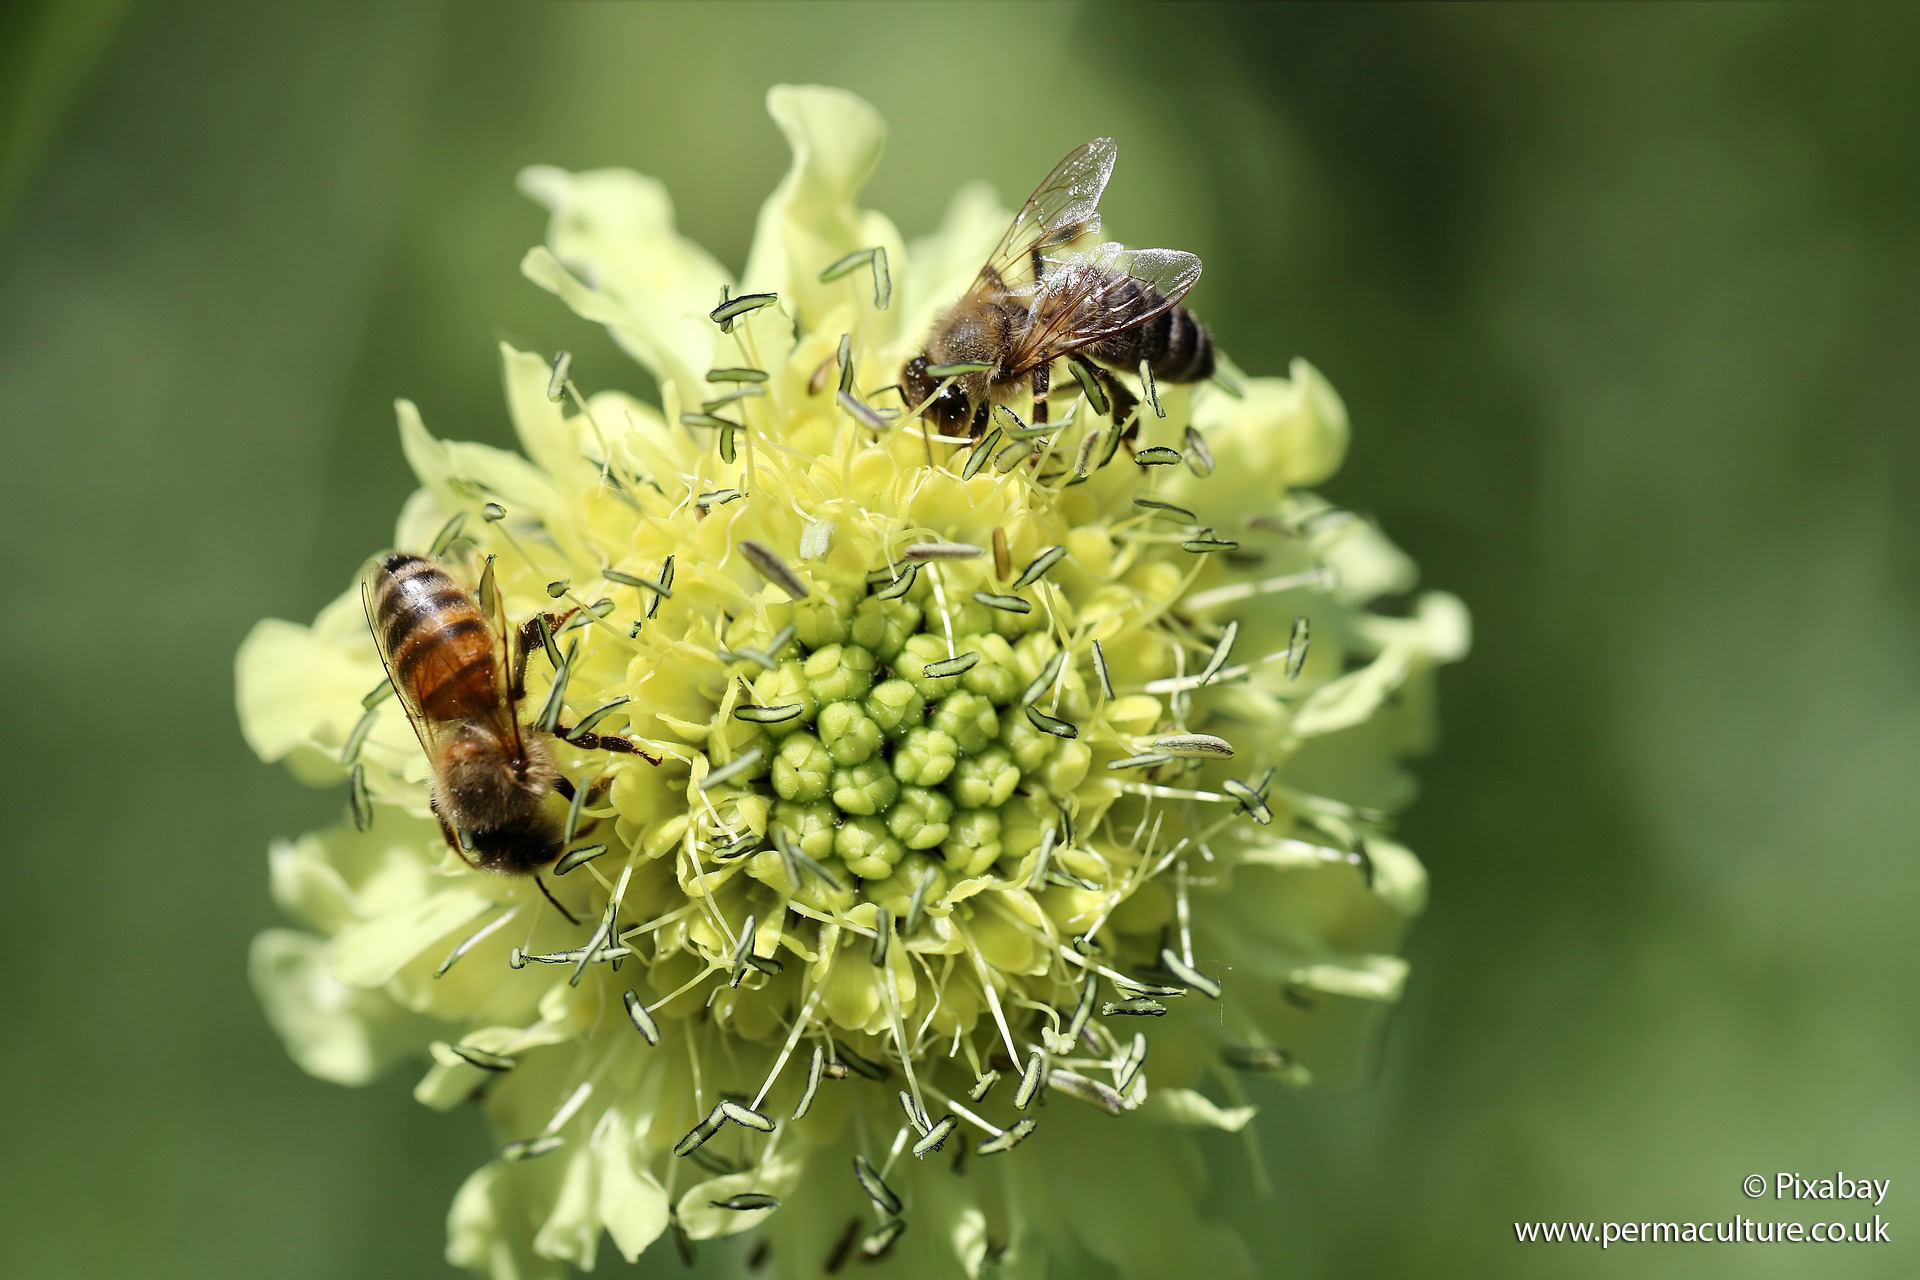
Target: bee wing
(1061,210)
(401,693)
(1100,294)
(508,721)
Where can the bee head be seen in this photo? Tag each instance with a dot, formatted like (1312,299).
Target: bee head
(948,410)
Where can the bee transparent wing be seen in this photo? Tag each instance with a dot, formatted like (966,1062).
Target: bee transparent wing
(401,694)
(1063,208)
(508,722)
(1106,292)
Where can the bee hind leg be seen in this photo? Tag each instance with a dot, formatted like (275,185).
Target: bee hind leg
(602,742)
(1126,405)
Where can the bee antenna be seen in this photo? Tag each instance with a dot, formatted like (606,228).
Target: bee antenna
(548,895)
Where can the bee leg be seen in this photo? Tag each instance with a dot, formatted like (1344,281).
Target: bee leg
(548,895)
(1126,405)
(603,742)
(1042,378)
(529,638)
(564,787)
(978,427)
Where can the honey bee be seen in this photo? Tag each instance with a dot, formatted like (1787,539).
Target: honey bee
(1029,307)
(450,665)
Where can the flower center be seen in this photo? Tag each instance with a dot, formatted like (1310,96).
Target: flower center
(897,756)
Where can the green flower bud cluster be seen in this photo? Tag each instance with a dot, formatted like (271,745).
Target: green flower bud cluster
(888,769)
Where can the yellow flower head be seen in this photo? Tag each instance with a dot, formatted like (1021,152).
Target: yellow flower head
(1017,797)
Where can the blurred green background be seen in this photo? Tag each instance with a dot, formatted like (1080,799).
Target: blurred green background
(1624,302)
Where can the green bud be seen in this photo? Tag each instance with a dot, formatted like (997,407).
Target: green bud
(973,842)
(1015,625)
(839,672)
(867,848)
(919,817)
(912,663)
(984,781)
(1068,698)
(1030,747)
(967,616)
(1032,653)
(849,733)
(896,706)
(882,626)
(822,621)
(994,677)
(801,768)
(810,825)
(864,788)
(1067,769)
(783,686)
(968,719)
(1023,820)
(924,757)
(895,893)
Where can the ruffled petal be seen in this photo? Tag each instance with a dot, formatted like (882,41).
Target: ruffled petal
(489,1228)
(460,474)
(341,1033)
(616,259)
(571,1231)
(632,1203)
(332,878)
(1278,434)
(371,951)
(298,689)
(1194,1110)
(702,1218)
(813,217)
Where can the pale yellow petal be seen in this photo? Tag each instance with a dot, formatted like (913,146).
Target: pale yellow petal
(337,1032)
(1192,1109)
(299,696)
(1278,434)
(571,1231)
(702,1219)
(614,257)
(632,1203)
(813,217)
(371,951)
(488,1228)
(463,475)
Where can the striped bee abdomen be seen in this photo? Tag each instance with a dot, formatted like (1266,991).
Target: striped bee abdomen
(435,638)
(1175,346)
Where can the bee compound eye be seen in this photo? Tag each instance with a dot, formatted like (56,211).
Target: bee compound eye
(950,409)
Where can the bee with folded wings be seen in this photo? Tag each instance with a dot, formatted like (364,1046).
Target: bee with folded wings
(450,665)
(1032,304)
